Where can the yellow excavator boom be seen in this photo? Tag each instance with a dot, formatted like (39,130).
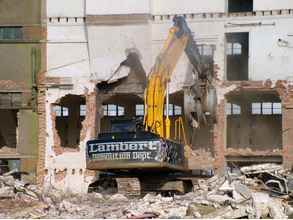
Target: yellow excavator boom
(157,83)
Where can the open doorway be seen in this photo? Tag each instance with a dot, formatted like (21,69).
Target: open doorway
(8,130)
(235,6)
(237,55)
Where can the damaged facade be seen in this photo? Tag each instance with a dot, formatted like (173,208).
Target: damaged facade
(249,41)
(21,60)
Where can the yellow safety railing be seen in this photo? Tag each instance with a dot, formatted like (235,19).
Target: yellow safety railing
(179,127)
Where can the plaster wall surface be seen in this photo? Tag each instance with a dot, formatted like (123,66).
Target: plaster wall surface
(67,56)
(187,6)
(272,4)
(109,45)
(105,7)
(65,8)
(67,53)
(270,58)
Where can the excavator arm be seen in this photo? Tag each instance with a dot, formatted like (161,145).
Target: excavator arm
(180,39)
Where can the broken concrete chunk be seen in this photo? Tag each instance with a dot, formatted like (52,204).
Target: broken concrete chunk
(118,198)
(149,198)
(193,211)
(226,187)
(218,214)
(261,204)
(237,197)
(236,213)
(220,199)
(202,185)
(99,196)
(6,192)
(243,190)
(177,212)
(276,210)
(259,168)
(288,210)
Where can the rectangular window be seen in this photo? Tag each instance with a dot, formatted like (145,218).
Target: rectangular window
(120,111)
(277,108)
(171,110)
(113,110)
(61,111)
(234,49)
(139,110)
(256,108)
(206,50)
(57,110)
(82,110)
(11,33)
(233,109)
(266,108)
(65,112)
(177,110)
(105,110)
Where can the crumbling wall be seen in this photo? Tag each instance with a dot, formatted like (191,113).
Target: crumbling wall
(76,62)
(65,167)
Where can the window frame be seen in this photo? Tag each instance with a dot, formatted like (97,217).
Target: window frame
(6,33)
(273,110)
(62,110)
(118,110)
(230,50)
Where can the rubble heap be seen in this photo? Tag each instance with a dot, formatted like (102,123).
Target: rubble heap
(259,191)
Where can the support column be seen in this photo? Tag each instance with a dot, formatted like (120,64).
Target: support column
(287,132)
(219,136)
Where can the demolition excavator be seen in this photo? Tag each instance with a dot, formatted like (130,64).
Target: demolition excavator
(146,158)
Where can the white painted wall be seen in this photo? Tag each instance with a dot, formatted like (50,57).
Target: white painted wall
(74,33)
(105,7)
(269,59)
(108,45)
(187,6)
(272,4)
(68,60)
(67,51)
(65,8)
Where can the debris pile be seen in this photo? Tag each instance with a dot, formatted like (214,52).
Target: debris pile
(258,191)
